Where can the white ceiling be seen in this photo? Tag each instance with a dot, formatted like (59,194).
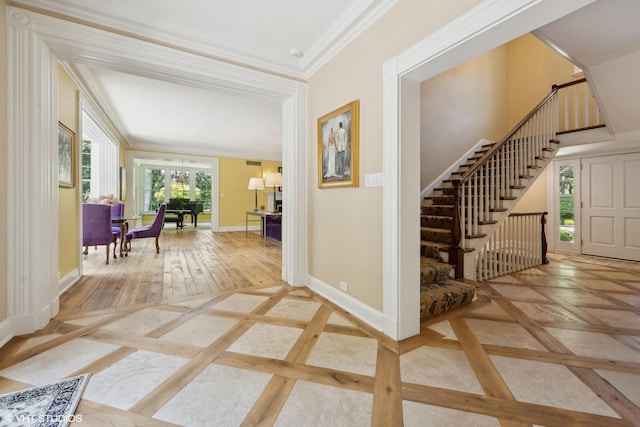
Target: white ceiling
(604,38)
(260,35)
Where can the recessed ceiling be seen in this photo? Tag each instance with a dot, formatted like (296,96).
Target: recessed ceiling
(261,35)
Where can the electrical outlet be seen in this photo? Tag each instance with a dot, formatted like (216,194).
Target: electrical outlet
(343,286)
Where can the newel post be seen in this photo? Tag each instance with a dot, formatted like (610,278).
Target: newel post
(543,237)
(456,253)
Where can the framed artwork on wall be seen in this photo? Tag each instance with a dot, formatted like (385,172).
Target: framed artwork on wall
(65,156)
(338,139)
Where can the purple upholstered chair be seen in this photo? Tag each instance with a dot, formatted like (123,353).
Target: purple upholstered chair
(152,230)
(118,224)
(117,211)
(96,227)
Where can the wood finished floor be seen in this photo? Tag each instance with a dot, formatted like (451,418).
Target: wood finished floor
(556,345)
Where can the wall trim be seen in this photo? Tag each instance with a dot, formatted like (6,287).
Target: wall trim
(370,316)
(36,43)
(32,171)
(69,280)
(5,332)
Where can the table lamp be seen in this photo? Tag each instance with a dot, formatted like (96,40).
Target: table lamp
(256,184)
(274,180)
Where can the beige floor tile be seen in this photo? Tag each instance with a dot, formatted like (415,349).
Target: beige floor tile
(439,367)
(421,415)
(345,353)
(317,405)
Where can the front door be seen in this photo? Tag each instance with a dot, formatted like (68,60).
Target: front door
(611,206)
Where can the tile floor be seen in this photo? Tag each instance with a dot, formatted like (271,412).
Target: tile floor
(555,345)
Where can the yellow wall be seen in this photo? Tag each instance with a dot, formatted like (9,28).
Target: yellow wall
(484,98)
(533,68)
(3,159)
(68,198)
(459,108)
(234,198)
(345,224)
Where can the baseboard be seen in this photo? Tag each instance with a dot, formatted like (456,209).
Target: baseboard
(370,316)
(69,280)
(239,228)
(5,332)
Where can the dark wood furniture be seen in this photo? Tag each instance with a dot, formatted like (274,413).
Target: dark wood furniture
(177,208)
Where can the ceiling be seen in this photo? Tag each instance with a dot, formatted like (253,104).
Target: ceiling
(286,38)
(603,38)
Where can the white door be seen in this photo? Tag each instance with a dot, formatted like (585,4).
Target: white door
(611,206)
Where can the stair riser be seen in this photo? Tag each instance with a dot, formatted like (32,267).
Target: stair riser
(436,222)
(435,236)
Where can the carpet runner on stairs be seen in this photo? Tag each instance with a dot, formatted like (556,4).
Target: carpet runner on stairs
(438,293)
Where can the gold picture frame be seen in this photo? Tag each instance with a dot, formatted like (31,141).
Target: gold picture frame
(338,141)
(65,156)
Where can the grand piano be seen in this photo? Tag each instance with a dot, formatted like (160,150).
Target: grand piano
(177,208)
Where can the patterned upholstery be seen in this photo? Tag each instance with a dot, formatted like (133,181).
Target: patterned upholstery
(433,271)
(437,298)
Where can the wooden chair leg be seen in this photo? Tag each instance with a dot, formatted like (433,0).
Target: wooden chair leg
(108,246)
(157,246)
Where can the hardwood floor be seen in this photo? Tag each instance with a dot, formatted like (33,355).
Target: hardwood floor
(206,333)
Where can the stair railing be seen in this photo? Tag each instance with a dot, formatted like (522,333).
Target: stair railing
(510,164)
(577,108)
(519,243)
(501,170)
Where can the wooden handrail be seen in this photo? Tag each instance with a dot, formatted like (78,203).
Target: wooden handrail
(573,83)
(497,146)
(528,213)
(504,140)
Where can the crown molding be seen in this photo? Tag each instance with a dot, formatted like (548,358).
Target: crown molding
(162,36)
(147,146)
(344,30)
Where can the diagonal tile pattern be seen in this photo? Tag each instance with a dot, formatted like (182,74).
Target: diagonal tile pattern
(556,345)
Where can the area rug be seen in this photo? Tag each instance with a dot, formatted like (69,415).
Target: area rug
(607,262)
(51,405)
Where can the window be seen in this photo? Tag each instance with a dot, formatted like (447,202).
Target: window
(180,185)
(153,189)
(100,160)
(86,170)
(566,203)
(203,188)
(158,180)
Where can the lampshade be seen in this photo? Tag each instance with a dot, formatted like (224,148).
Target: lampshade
(274,179)
(256,184)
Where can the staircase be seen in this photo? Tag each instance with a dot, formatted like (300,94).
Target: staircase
(463,212)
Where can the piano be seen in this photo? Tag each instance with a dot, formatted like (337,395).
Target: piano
(178,207)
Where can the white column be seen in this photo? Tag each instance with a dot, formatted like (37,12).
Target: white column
(401,201)
(294,190)
(32,195)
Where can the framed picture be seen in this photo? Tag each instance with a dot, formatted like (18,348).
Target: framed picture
(65,156)
(338,135)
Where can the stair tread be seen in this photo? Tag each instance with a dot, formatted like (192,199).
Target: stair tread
(475,236)
(435,229)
